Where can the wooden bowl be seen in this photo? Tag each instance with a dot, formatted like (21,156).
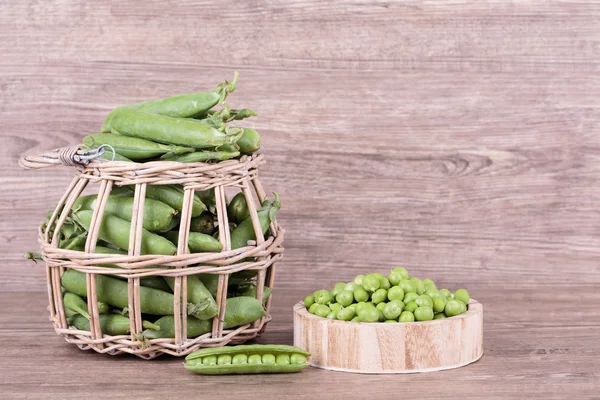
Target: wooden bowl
(380,348)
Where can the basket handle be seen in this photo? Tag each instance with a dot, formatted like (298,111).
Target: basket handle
(69,156)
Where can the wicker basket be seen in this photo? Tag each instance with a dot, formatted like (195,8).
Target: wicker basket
(260,256)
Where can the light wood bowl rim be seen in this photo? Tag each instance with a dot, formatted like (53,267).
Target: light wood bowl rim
(473,308)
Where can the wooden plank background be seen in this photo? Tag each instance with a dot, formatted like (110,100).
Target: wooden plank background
(459,139)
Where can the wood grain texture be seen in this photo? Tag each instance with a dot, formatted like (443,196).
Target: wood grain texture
(545,347)
(460,139)
(384,348)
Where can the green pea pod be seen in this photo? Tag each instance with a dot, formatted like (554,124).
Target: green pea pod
(115,230)
(103,308)
(181,106)
(155,282)
(197,242)
(172,195)
(132,147)
(237,210)
(76,303)
(249,142)
(115,292)
(202,156)
(207,197)
(121,191)
(205,306)
(247,359)
(166,324)
(168,130)
(267,359)
(250,291)
(235,284)
(245,230)
(174,224)
(238,311)
(211,282)
(205,223)
(157,215)
(110,324)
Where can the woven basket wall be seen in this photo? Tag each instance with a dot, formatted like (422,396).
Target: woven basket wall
(259,256)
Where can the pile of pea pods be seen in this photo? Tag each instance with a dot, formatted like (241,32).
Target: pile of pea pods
(395,298)
(195,127)
(159,236)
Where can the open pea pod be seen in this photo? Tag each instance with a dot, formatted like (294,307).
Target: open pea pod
(247,359)
(247,349)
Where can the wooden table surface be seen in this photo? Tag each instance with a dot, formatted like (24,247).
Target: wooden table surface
(459,139)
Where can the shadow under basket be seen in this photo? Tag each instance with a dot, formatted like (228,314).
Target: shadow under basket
(257,259)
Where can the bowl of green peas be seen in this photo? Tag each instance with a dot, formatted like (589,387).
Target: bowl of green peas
(389,324)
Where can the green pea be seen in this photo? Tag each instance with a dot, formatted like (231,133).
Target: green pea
(379,296)
(371,283)
(393,309)
(424,313)
(380,306)
(395,278)
(360,294)
(309,301)
(395,293)
(355,319)
(419,286)
(283,359)
(353,307)
(428,281)
(338,287)
(390,321)
(255,359)
(406,316)
(209,360)
(359,279)
(446,293)
(318,293)
(368,313)
(224,359)
(324,297)
(424,301)
(268,359)
(463,306)
(402,271)
(439,304)
(358,306)
(239,359)
(331,315)
(381,316)
(345,297)
(311,309)
(462,295)
(453,308)
(378,275)
(436,295)
(322,310)
(408,286)
(439,316)
(412,306)
(351,286)
(297,358)
(408,297)
(335,307)
(384,283)
(346,314)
